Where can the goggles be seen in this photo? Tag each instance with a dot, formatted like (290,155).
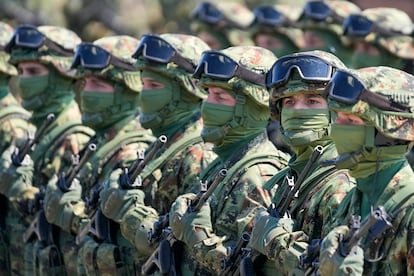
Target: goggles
(348,89)
(29,37)
(311,69)
(91,56)
(218,66)
(269,16)
(317,10)
(357,25)
(154,48)
(208,13)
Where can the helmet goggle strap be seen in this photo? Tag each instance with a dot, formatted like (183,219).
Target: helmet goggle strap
(91,56)
(348,89)
(29,37)
(156,49)
(311,69)
(270,17)
(357,25)
(218,66)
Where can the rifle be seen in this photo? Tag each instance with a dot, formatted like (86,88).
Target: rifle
(19,154)
(372,227)
(130,177)
(64,182)
(164,255)
(231,265)
(251,256)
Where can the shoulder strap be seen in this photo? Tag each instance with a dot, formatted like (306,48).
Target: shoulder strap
(48,146)
(13,111)
(184,142)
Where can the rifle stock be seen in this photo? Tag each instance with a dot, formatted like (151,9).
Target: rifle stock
(18,156)
(163,257)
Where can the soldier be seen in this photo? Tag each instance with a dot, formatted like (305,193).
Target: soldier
(321,22)
(374,107)
(274,28)
(235,115)
(14,129)
(109,88)
(42,55)
(170,103)
(297,82)
(382,36)
(222,24)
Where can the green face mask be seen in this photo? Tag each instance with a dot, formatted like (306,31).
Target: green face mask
(360,60)
(31,90)
(304,126)
(93,105)
(348,138)
(215,116)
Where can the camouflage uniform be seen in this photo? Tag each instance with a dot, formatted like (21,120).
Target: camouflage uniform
(383,176)
(328,28)
(119,136)
(178,163)
(281,240)
(244,150)
(229,30)
(62,139)
(14,129)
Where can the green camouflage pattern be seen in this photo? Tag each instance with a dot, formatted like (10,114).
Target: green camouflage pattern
(397,245)
(189,47)
(122,47)
(6,32)
(292,12)
(63,37)
(253,58)
(234,203)
(396,21)
(178,175)
(340,10)
(316,204)
(294,86)
(394,84)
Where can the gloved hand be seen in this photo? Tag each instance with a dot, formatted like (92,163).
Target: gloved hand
(190,227)
(275,238)
(115,201)
(14,180)
(61,207)
(332,262)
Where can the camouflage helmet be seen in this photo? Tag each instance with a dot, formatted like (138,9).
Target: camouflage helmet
(119,67)
(329,15)
(391,29)
(188,49)
(232,19)
(389,101)
(6,32)
(285,17)
(253,58)
(293,86)
(52,45)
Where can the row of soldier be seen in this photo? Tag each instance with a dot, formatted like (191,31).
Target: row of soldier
(206,177)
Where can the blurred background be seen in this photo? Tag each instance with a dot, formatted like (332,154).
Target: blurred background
(92,19)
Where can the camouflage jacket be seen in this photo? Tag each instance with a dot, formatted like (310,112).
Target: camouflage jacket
(318,198)
(14,125)
(172,173)
(235,200)
(396,246)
